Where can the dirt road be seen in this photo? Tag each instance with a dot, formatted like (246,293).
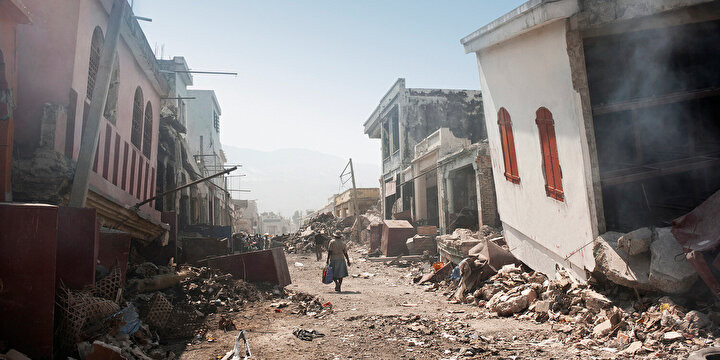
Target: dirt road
(382,316)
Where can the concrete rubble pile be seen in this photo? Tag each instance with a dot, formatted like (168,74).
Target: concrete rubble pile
(304,239)
(158,306)
(617,320)
(647,259)
(324,224)
(456,246)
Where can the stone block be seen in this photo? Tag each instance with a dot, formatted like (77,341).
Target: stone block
(670,271)
(595,301)
(636,242)
(602,328)
(619,267)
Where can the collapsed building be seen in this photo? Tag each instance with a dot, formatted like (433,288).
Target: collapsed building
(52,111)
(203,210)
(275,224)
(435,163)
(366,199)
(245,216)
(47,91)
(600,120)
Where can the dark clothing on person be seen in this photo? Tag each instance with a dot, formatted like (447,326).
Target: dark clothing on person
(319,243)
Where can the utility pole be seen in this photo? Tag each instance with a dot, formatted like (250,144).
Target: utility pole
(356,224)
(91,133)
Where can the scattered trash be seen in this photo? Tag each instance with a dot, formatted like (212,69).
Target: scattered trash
(364,275)
(409,305)
(226,324)
(234,354)
(307,335)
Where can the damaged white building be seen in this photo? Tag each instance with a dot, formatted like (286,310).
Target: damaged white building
(602,119)
(435,164)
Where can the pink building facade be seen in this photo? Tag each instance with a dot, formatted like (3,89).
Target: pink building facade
(59,58)
(12,14)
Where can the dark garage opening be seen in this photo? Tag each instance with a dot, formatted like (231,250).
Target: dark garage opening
(656,109)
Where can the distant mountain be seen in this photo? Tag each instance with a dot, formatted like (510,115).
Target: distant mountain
(286,180)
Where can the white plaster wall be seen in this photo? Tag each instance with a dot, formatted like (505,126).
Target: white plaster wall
(200,123)
(523,74)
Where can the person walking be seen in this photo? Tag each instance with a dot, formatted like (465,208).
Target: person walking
(319,243)
(337,255)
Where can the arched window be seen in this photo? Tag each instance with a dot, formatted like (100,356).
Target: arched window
(4,94)
(3,79)
(508,146)
(551,164)
(95,49)
(137,119)
(147,132)
(112,96)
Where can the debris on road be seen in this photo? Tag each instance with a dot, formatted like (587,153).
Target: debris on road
(307,335)
(234,354)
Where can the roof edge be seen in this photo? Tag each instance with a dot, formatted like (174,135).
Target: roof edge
(527,16)
(384,102)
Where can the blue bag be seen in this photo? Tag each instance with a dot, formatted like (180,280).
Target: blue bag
(327,275)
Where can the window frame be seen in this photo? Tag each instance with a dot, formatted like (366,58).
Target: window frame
(97,41)
(111,101)
(136,129)
(147,130)
(507,141)
(552,171)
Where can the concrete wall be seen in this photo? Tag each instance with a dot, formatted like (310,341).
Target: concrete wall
(523,74)
(367,198)
(48,50)
(200,122)
(8,97)
(487,197)
(427,110)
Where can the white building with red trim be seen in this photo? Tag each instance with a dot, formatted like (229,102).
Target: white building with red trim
(600,117)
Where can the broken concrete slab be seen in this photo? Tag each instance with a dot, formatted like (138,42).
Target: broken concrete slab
(506,304)
(618,266)
(671,336)
(542,306)
(602,328)
(634,347)
(595,301)
(670,271)
(636,242)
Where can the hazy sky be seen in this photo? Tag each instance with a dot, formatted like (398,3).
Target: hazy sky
(311,72)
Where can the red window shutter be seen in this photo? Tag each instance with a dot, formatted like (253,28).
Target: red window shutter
(513,159)
(506,151)
(508,146)
(551,163)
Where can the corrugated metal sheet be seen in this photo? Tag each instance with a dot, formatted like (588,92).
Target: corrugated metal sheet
(27,273)
(257,266)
